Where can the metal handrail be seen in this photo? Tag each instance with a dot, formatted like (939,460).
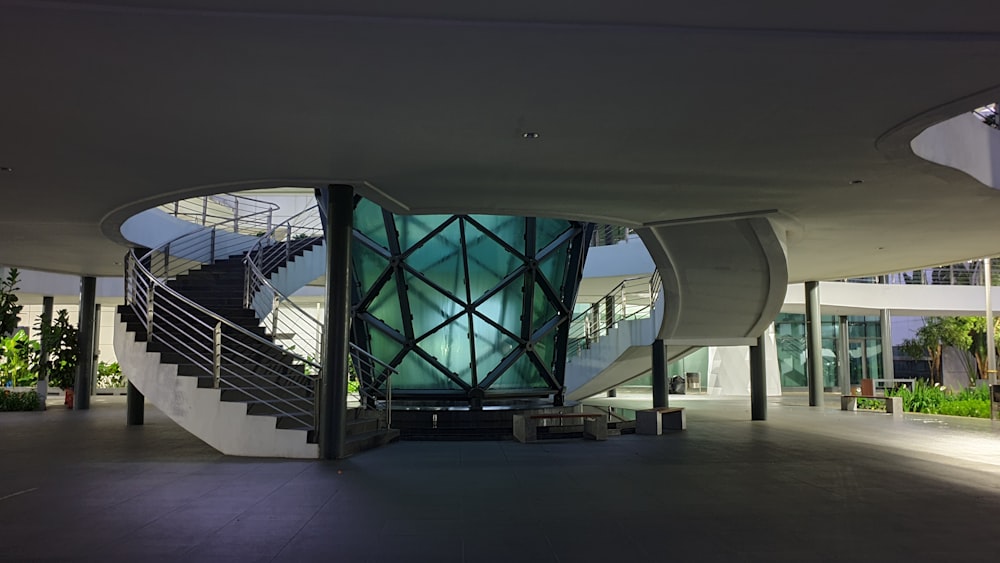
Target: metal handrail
(245,214)
(291,324)
(607,235)
(970,273)
(988,115)
(215,347)
(632,298)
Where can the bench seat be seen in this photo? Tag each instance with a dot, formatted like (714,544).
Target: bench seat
(893,405)
(595,426)
(652,422)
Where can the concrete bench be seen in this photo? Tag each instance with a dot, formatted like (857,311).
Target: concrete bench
(652,422)
(595,426)
(893,405)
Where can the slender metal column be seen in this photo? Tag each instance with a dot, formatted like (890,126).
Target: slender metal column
(134,404)
(991,353)
(43,352)
(758,379)
(888,373)
(843,361)
(660,398)
(814,344)
(337,322)
(85,364)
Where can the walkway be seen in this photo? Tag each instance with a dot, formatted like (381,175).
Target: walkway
(807,485)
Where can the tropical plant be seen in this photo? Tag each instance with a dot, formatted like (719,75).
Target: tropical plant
(9,309)
(109,375)
(61,342)
(967,334)
(11,401)
(15,364)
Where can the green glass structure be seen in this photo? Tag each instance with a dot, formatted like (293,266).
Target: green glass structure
(466,307)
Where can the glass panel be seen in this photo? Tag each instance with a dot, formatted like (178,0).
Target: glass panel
(546,230)
(385,306)
(428,306)
(855,355)
(504,308)
(521,375)
(553,267)
(492,346)
(440,261)
(489,262)
(414,228)
(541,309)
(369,222)
(450,346)
(368,265)
(506,228)
(383,347)
(415,373)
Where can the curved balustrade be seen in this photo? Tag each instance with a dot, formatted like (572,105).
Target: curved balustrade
(963,273)
(291,326)
(633,298)
(209,345)
(240,213)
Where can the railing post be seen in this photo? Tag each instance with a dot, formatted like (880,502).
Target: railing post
(177,208)
(211,252)
(166,261)
(217,355)
(236,215)
(204,210)
(150,293)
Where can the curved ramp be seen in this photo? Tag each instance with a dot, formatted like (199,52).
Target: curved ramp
(723,283)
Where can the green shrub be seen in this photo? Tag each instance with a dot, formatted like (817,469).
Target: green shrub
(109,375)
(973,408)
(871,404)
(11,401)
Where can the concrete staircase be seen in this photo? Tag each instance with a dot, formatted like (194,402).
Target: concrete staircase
(257,391)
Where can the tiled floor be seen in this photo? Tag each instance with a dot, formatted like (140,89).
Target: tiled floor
(807,485)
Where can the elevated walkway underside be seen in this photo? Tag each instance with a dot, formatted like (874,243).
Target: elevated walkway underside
(805,485)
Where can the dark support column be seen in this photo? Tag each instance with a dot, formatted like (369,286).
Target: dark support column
(843,361)
(888,373)
(85,365)
(814,344)
(337,323)
(758,379)
(135,414)
(43,351)
(660,398)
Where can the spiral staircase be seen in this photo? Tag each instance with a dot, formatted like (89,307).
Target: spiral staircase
(209,336)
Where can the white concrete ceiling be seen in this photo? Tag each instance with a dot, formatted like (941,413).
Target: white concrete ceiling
(646,112)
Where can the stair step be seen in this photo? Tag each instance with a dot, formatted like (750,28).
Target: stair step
(370,440)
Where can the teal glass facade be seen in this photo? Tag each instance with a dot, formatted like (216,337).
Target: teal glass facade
(864,353)
(466,306)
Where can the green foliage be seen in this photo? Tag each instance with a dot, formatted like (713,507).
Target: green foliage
(61,341)
(935,399)
(870,404)
(9,309)
(978,409)
(967,334)
(15,360)
(109,375)
(11,401)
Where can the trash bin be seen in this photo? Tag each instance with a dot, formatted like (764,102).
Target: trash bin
(677,386)
(693,380)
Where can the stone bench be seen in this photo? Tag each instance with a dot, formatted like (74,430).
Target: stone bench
(652,422)
(893,405)
(595,426)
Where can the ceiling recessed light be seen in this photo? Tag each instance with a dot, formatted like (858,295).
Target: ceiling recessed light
(6,169)
(853,182)
(530,135)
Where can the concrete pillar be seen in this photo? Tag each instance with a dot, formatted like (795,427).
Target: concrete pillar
(758,379)
(660,391)
(85,365)
(814,344)
(339,202)
(97,347)
(135,414)
(888,372)
(43,352)
(843,359)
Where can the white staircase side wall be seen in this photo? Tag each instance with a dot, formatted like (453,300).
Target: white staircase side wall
(291,277)
(223,425)
(964,143)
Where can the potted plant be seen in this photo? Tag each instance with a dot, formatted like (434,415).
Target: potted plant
(60,340)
